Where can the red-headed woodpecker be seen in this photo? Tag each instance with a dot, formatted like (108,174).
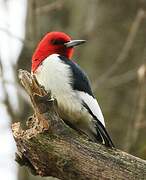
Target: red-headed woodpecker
(54,69)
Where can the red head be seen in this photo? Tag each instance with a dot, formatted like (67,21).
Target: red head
(54,43)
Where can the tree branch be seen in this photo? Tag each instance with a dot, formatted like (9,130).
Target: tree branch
(50,148)
(141,14)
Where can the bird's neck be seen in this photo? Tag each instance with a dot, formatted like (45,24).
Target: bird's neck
(40,55)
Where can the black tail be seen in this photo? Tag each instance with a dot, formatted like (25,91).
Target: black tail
(103,136)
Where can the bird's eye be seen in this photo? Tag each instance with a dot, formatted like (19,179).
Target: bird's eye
(57,42)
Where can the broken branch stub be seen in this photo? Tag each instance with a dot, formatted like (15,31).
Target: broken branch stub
(51,148)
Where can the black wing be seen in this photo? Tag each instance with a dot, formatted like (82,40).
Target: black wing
(102,134)
(80,79)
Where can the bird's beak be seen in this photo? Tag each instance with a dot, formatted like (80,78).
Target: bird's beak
(73,43)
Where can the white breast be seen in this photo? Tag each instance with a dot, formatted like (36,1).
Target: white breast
(56,76)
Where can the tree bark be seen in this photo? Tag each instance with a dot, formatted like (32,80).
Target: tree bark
(51,148)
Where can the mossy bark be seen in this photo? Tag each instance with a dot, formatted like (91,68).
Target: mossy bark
(50,148)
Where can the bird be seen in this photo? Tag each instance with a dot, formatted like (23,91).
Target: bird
(55,70)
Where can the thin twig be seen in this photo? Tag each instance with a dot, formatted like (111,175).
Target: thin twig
(6,100)
(11,34)
(135,126)
(126,48)
(50,7)
(25,42)
(122,79)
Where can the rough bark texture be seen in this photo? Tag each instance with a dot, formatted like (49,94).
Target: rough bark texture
(50,148)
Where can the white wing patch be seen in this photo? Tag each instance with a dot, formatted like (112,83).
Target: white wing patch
(92,104)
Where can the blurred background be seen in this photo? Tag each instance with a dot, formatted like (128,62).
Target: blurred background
(114,57)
